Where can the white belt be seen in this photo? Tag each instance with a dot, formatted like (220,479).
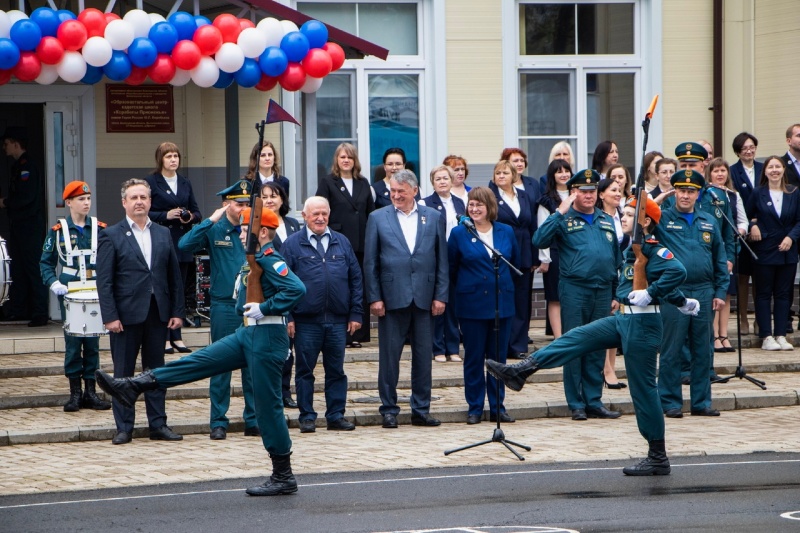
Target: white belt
(266,320)
(638,310)
(74,272)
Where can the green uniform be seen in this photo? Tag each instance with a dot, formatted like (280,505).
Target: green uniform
(262,348)
(82,354)
(589,256)
(639,334)
(699,246)
(226,255)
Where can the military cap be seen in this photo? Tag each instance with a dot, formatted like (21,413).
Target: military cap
(688,179)
(239,191)
(651,208)
(690,151)
(76,188)
(584,180)
(268,218)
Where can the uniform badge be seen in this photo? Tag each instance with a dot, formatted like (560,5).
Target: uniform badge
(281,268)
(128,233)
(24,175)
(663,253)
(718,213)
(244,277)
(474,239)
(628,272)
(588,173)
(227,237)
(48,245)
(341,189)
(608,236)
(386,193)
(422,219)
(501,202)
(769,204)
(440,208)
(706,237)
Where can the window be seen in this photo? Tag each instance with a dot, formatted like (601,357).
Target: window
(335,118)
(394,118)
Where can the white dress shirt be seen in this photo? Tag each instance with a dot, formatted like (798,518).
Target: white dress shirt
(143,239)
(408,223)
(512,201)
(312,238)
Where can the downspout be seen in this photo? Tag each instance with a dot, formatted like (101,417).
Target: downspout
(717,77)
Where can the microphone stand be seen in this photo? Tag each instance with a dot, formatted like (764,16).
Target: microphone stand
(497,435)
(740,372)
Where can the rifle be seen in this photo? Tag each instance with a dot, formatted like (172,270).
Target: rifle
(252,246)
(639,265)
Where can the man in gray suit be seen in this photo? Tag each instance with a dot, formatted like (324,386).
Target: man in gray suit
(405,267)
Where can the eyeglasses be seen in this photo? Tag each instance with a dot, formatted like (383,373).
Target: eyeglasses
(393,164)
(748,149)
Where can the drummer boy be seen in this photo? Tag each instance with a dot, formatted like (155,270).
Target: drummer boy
(72,243)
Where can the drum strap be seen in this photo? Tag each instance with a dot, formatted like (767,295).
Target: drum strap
(73,253)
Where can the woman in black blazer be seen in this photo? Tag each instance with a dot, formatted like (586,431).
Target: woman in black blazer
(265,164)
(351,201)
(774,211)
(173,205)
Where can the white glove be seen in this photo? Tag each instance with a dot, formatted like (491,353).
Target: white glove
(252,310)
(691,307)
(640,298)
(58,288)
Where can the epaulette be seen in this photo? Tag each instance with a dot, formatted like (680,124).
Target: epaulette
(652,240)
(102,224)
(269,251)
(56,227)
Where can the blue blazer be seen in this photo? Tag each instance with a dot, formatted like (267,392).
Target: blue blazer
(292,227)
(791,173)
(472,272)
(164,200)
(532,189)
(399,276)
(774,228)
(524,226)
(740,181)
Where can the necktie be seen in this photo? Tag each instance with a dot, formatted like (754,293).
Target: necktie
(320,248)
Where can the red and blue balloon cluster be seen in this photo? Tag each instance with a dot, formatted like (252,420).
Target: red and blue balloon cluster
(182,48)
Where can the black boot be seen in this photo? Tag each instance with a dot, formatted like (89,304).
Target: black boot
(655,464)
(126,390)
(513,376)
(280,482)
(90,398)
(74,402)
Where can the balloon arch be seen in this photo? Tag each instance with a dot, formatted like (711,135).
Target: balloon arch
(181,48)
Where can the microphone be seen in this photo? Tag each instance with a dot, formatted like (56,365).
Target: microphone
(710,190)
(465,221)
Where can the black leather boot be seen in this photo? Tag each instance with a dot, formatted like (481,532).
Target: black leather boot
(513,376)
(74,402)
(655,464)
(90,399)
(126,390)
(280,482)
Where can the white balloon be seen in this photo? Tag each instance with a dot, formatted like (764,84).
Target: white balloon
(15,15)
(272,30)
(155,18)
(229,58)
(72,67)
(252,42)
(311,85)
(48,75)
(97,51)
(206,73)
(119,34)
(181,77)
(5,25)
(289,26)
(140,22)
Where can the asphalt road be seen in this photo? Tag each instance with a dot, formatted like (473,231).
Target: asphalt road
(726,493)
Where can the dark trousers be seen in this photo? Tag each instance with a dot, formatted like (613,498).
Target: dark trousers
(28,295)
(521,322)
(186,269)
(446,335)
(479,345)
(361,334)
(150,336)
(773,297)
(81,354)
(311,339)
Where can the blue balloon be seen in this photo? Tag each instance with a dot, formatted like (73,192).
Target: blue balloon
(249,75)
(316,32)
(164,36)
(65,15)
(184,23)
(47,20)
(273,61)
(119,67)
(9,54)
(201,20)
(224,81)
(93,74)
(295,45)
(26,34)
(142,52)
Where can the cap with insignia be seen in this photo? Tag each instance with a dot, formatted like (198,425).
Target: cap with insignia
(76,188)
(690,151)
(268,218)
(688,179)
(585,180)
(239,191)
(651,208)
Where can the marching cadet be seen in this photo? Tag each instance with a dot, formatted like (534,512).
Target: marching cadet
(72,243)
(219,235)
(589,257)
(636,327)
(261,344)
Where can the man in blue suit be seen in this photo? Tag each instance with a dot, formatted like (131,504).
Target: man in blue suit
(405,267)
(141,295)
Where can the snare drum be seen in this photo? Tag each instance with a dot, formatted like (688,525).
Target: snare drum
(5,272)
(82,312)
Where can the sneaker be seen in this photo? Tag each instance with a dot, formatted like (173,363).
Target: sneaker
(784,344)
(770,344)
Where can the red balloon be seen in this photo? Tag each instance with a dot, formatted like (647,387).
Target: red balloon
(94,20)
(137,77)
(317,63)
(229,27)
(186,55)
(267,83)
(72,34)
(163,70)
(5,76)
(208,38)
(293,77)
(246,23)
(111,16)
(29,67)
(50,50)
(337,55)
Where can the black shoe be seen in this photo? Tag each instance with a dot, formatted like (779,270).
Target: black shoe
(308,426)
(181,349)
(169,351)
(37,322)
(218,433)
(513,376)
(389,421)
(90,398)
(530,341)
(686,380)
(122,437)
(504,417)
(289,402)
(425,420)
(473,419)
(252,431)
(517,355)
(341,424)
(75,396)
(602,412)
(164,433)
(578,414)
(281,481)
(707,411)
(615,386)
(354,344)
(655,464)
(673,413)
(126,390)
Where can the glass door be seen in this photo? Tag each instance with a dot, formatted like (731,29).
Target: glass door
(610,114)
